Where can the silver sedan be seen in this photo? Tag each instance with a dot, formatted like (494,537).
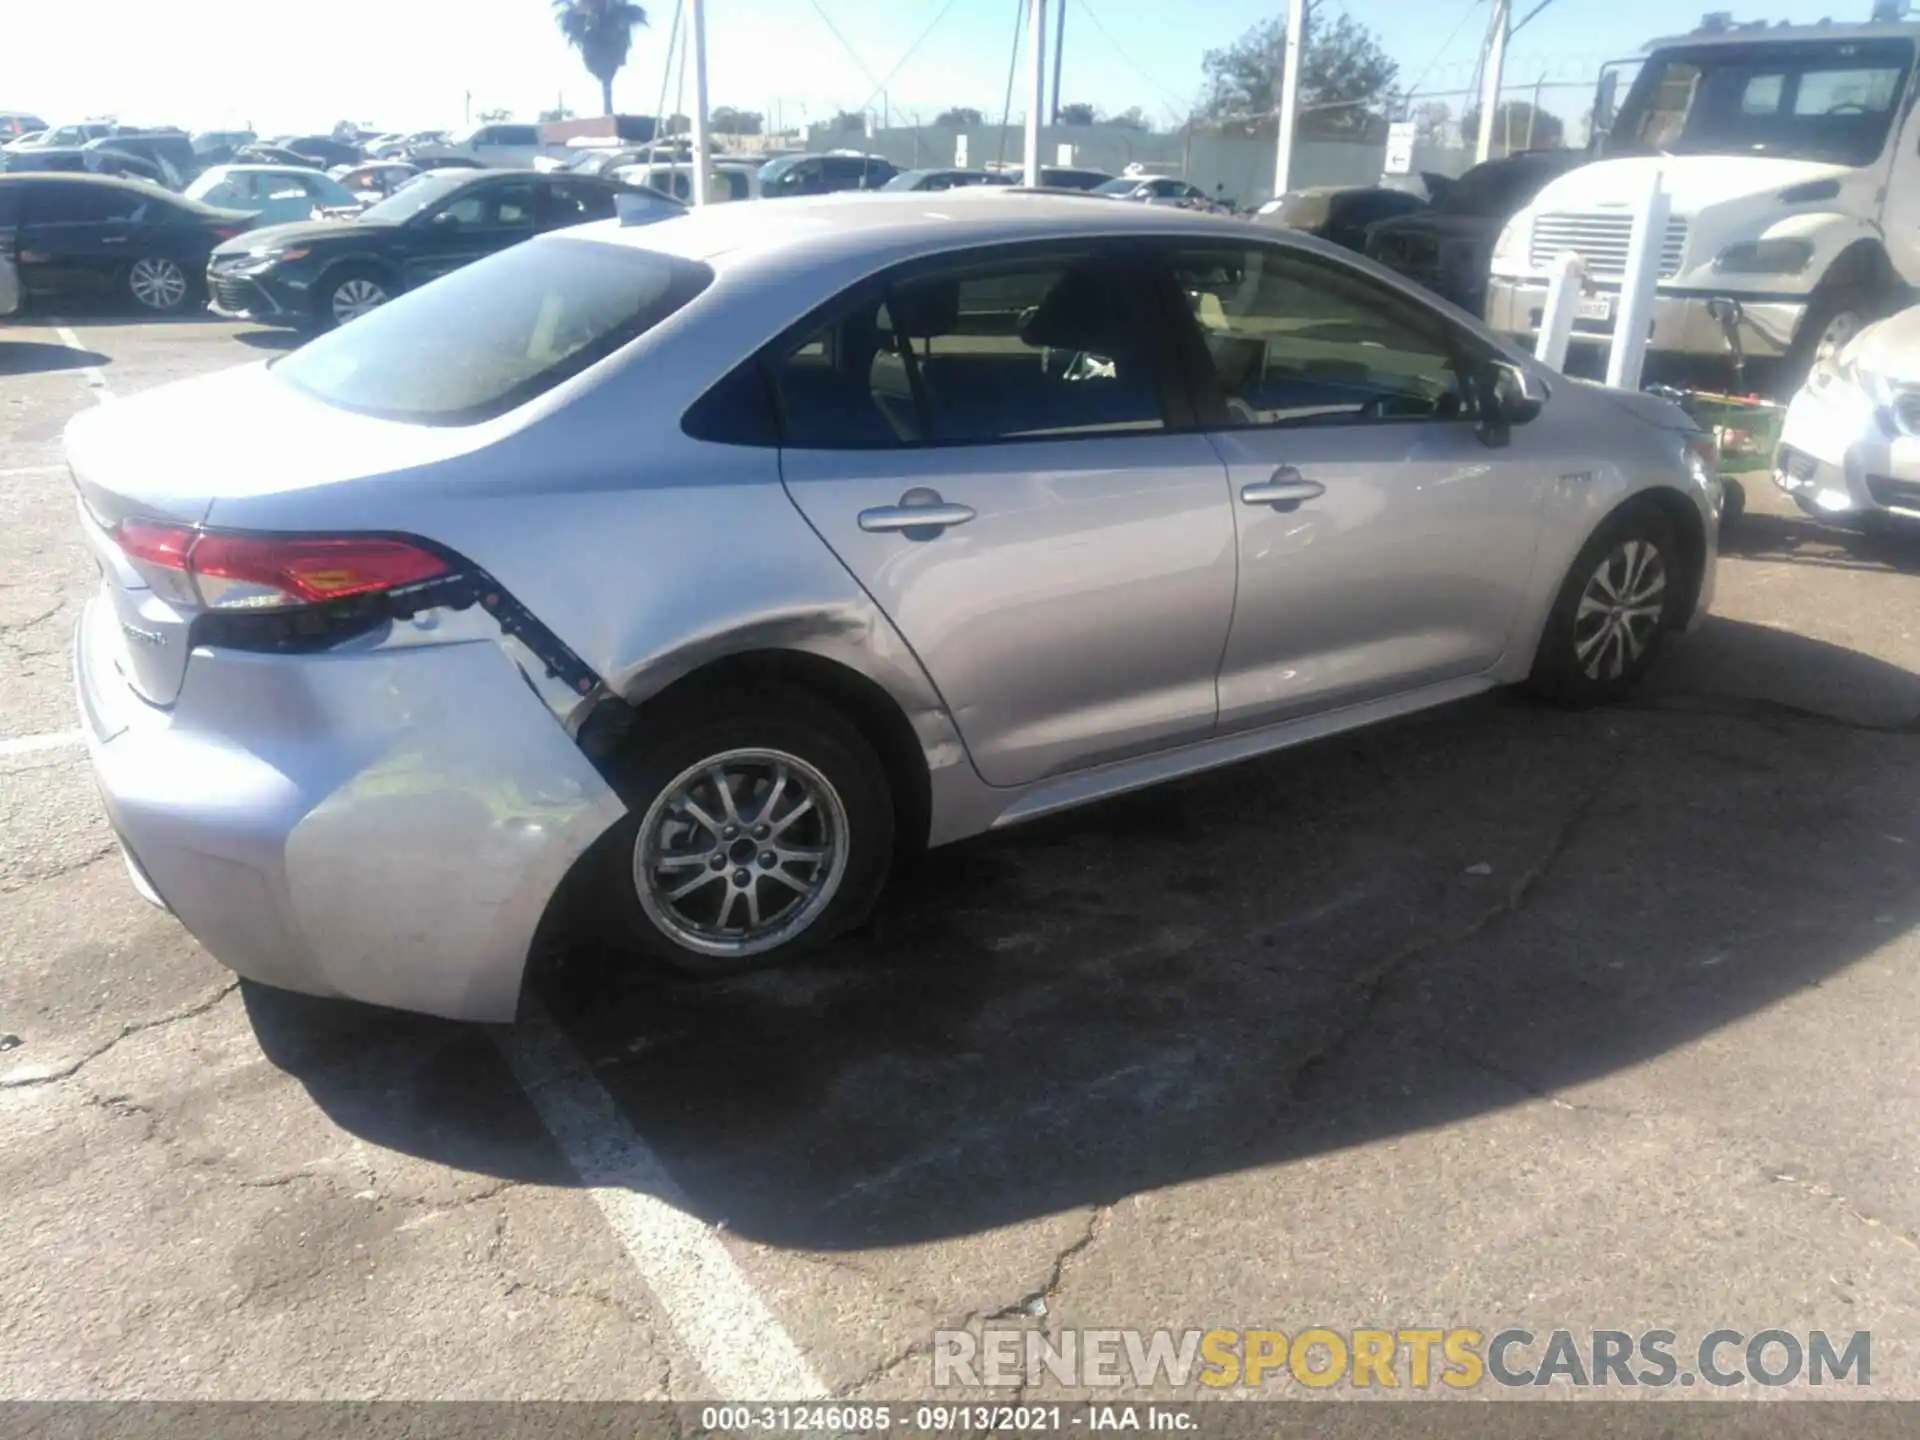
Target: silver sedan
(716,562)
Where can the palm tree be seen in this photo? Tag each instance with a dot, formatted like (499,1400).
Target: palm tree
(602,31)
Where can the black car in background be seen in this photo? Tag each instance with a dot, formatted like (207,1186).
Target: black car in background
(78,237)
(169,151)
(81,160)
(322,148)
(1060,177)
(15,123)
(823,174)
(943,179)
(260,153)
(1448,247)
(1340,213)
(326,272)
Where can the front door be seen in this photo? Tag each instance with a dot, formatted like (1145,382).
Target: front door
(77,239)
(988,448)
(473,223)
(1383,545)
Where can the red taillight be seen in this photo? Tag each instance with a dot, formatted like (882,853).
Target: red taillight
(227,232)
(236,571)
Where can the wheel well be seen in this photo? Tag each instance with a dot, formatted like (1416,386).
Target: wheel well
(1689,531)
(1865,266)
(863,702)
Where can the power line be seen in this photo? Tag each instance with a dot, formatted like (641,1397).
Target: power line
(846,45)
(1445,45)
(881,85)
(1174,107)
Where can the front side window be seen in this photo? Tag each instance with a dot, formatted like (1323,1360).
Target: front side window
(1293,340)
(494,334)
(1018,350)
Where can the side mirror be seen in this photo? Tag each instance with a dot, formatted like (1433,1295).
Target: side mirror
(1603,103)
(1506,395)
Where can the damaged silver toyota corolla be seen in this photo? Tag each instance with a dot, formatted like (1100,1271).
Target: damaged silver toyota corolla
(761,543)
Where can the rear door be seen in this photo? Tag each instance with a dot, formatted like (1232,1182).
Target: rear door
(999,452)
(560,203)
(476,221)
(77,236)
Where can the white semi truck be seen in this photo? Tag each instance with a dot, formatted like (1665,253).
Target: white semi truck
(1791,154)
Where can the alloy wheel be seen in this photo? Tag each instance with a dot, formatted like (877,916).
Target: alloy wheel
(741,852)
(1620,609)
(158,284)
(355,297)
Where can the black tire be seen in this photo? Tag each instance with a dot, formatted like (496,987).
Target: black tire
(330,295)
(160,285)
(1733,503)
(1576,666)
(803,734)
(1843,308)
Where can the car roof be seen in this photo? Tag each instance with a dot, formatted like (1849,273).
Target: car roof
(115,182)
(244,169)
(847,224)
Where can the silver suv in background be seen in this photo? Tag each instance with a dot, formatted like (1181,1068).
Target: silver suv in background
(714,562)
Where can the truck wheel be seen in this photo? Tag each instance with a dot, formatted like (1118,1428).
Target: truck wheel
(1833,318)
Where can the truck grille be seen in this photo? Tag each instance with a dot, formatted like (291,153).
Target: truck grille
(1601,241)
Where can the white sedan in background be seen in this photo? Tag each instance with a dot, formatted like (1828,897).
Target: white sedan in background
(1850,448)
(278,194)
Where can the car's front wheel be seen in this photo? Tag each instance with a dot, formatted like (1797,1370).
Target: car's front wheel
(1619,599)
(349,294)
(761,826)
(159,285)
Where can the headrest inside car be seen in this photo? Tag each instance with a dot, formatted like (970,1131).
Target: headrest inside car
(920,312)
(1082,312)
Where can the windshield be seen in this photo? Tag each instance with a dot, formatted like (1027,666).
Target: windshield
(494,334)
(409,200)
(1831,100)
(905,180)
(1122,186)
(774,169)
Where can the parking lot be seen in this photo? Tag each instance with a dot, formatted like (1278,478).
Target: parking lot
(1494,1017)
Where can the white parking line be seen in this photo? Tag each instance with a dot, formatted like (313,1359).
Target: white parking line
(33,744)
(729,1331)
(95,380)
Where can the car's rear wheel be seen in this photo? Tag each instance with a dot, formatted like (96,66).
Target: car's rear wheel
(158,284)
(1619,599)
(349,294)
(761,826)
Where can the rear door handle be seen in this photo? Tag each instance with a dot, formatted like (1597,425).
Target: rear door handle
(1286,486)
(934,515)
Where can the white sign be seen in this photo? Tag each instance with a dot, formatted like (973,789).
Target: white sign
(960,151)
(1399,148)
(1063,155)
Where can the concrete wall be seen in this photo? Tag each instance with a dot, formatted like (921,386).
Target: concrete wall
(1240,167)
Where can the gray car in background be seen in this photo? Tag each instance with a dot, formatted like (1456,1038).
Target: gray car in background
(713,563)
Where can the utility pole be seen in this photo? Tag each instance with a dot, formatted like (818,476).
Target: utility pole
(1059,54)
(697,13)
(1498,28)
(1290,94)
(1037,85)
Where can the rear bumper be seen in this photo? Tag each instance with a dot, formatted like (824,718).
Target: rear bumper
(1682,324)
(385,825)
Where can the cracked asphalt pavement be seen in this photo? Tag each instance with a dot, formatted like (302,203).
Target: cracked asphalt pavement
(1492,1017)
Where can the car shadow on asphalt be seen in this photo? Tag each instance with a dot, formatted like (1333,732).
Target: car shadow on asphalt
(35,357)
(277,340)
(1356,939)
(1803,541)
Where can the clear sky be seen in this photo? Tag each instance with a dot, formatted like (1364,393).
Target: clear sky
(411,63)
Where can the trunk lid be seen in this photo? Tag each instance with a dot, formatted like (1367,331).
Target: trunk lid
(170,454)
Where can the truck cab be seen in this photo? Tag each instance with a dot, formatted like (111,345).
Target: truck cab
(1792,158)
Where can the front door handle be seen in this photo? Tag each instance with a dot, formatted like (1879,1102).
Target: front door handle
(113,239)
(920,509)
(1286,486)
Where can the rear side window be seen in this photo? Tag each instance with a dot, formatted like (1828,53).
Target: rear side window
(515,135)
(492,335)
(1020,350)
(56,204)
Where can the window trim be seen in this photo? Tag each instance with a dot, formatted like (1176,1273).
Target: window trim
(1177,411)
(1203,380)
